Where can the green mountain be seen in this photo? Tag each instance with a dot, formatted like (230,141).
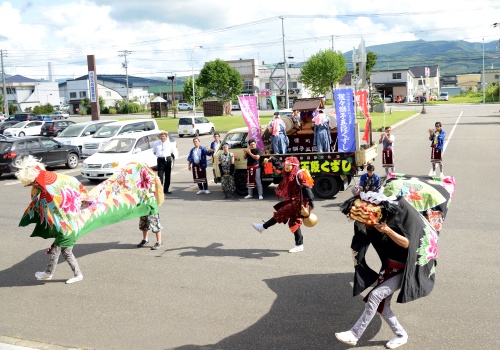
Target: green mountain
(452,57)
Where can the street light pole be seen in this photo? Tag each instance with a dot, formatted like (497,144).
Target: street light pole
(192,77)
(482,80)
(285,64)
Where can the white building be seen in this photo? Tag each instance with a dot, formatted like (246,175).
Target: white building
(24,92)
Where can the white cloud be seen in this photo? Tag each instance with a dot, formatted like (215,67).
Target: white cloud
(162,33)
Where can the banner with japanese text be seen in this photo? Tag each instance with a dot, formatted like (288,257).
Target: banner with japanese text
(248,105)
(344,107)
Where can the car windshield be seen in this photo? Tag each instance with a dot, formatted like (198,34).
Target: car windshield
(236,140)
(107,131)
(72,131)
(19,125)
(185,121)
(121,145)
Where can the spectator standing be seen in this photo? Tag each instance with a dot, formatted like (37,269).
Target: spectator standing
(226,166)
(322,138)
(152,222)
(252,155)
(437,137)
(197,163)
(387,141)
(163,150)
(214,145)
(295,189)
(277,128)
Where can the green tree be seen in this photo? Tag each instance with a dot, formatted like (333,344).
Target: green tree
(1,104)
(220,80)
(101,103)
(371,61)
(12,109)
(188,90)
(323,71)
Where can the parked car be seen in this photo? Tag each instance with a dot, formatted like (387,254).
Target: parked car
(444,96)
(24,129)
(7,124)
(104,134)
(43,117)
(49,151)
(185,107)
(121,150)
(2,117)
(59,115)
(76,134)
(195,126)
(21,117)
(235,106)
(56,127)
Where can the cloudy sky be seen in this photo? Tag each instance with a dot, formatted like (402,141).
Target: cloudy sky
(163,36)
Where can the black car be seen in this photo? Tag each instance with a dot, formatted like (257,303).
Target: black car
(47,150)
(55,127)
(7,124)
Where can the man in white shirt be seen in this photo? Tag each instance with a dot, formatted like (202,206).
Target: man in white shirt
(163,151)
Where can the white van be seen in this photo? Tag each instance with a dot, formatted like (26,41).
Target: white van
(195,126)
(121,150)
(76,134)
(106,132)
(444,96)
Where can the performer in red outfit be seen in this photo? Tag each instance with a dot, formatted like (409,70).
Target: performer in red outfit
(295,189)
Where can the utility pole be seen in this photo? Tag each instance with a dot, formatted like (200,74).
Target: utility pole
(482,80)
(285,63)
(5,104)
(125,53)
(172,78)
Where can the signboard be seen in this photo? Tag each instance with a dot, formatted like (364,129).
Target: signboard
(93,97)
(318,163)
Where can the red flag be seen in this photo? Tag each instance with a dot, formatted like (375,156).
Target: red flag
(366,135)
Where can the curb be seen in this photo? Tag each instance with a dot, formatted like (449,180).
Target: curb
(10,343)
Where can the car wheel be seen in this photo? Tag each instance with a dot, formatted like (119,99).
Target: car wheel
(326,186)
(196,133)
(72,161)
(21,134)
(240,181)
(212,131)
(181,136)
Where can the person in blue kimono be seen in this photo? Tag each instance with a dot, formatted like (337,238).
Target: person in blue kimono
(322,137)
(437,137)
(277,128)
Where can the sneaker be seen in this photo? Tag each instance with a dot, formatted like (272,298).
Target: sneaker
(75,279)
(258,227)
(248,197)
(261,197)
(143,243)
(200,192)
(347,337)
(441,175)
(157,245)
(432,173)
(207,192)
(43,275)
(297,248)
(396,342)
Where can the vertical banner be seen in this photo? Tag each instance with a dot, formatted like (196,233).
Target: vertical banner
(344,107)
(362,101)
(248,106)
(274,101)
(94,92)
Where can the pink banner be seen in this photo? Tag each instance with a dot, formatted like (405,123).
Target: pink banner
(248,105)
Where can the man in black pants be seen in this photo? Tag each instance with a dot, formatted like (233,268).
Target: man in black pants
(163,150)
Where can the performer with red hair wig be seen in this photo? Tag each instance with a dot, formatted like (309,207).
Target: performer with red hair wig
(295,189)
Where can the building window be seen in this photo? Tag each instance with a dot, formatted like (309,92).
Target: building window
(72,95)
(396,75)
(267,86)
(497,76)
(292,85)
(11,91)
(83,94)
(248,85)
(108,93)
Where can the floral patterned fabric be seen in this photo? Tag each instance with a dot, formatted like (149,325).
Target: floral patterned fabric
(62,208)
(422,205)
